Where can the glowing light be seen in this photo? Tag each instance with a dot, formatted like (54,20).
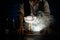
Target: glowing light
(37,23)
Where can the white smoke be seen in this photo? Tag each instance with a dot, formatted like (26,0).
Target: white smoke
(39,22)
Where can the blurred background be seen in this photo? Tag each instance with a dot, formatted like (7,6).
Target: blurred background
(9,19)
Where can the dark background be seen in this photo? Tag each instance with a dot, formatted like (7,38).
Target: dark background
(10,10)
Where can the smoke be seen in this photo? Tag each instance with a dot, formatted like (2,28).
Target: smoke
(39,22)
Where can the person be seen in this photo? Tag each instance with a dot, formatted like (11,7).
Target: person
(35,6)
